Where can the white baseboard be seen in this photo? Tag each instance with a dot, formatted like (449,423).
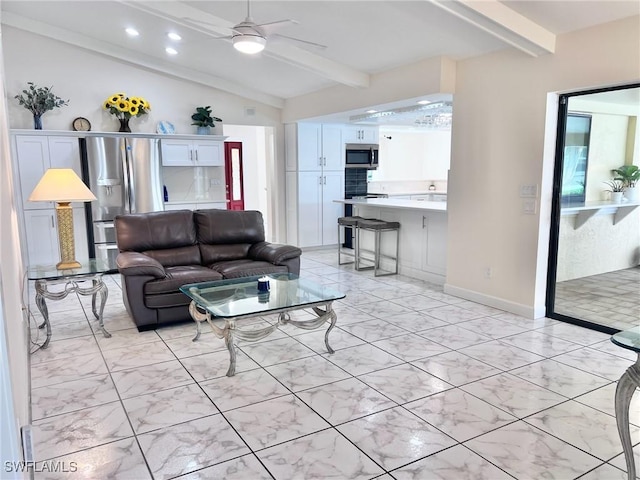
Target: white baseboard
(526,311)
(421,275)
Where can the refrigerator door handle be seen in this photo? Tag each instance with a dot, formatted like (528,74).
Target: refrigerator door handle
(124,150)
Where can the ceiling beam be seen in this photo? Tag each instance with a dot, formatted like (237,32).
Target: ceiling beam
(203,22)
(138,59)
(503,23)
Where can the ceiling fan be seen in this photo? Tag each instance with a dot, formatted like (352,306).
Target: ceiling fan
(251,37)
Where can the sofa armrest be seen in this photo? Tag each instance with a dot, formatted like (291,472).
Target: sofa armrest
(136,263)
(273,253)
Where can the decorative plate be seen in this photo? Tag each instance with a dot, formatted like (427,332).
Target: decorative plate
(165,128)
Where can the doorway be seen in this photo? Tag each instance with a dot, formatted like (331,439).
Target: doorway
(233,175)
(594,253)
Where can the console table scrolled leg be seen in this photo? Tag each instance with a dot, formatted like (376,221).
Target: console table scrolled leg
(627,385)
(334,318)
(103,291)
(228,340)
(42,306)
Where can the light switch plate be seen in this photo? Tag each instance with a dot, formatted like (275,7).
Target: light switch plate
(529,191)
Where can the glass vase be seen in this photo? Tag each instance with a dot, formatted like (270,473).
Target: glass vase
(124,125)
(37,122)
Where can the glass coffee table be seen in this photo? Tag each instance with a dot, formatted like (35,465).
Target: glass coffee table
(630,380)
(72,281)
(233,300)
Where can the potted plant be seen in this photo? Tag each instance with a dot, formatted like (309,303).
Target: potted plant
(203,120)
(616,187)
(629,175)
(39,100)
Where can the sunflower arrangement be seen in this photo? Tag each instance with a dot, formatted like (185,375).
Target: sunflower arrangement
(123,107)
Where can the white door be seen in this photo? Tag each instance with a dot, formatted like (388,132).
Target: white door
(309,147)
(332,189)
(41,237)
(332,147)
(309,209)
(33,161)
(208,154)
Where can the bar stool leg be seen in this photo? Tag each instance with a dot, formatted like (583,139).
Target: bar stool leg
(377,247)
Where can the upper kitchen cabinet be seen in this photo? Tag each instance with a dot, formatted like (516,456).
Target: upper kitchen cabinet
(313,147)
(192,153)
(360,134)
(35,154)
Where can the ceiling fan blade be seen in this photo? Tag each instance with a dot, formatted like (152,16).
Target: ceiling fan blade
(269,25)
(306,42)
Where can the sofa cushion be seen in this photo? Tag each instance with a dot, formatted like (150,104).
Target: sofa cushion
(178,276)
(141,232)
(168,300)
(246,268)
(171,257)
(220,227)
(218,253)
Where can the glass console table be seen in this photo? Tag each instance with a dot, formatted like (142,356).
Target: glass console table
(630,380)
(73,281)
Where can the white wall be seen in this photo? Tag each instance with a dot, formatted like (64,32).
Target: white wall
(14,374)
(413,155)
(499,142)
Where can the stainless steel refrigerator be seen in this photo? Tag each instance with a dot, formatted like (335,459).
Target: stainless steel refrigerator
(124,175)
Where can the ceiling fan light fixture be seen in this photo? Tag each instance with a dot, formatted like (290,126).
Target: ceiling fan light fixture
(249,44)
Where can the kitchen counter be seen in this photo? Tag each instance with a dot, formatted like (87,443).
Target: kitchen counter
(392,203)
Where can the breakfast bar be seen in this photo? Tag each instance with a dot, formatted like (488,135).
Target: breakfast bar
(422,250)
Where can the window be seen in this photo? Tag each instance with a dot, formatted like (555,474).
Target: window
(576,153)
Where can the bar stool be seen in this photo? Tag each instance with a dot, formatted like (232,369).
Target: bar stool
(348,222)
(378,227)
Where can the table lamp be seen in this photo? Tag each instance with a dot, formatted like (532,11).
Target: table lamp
(63,186)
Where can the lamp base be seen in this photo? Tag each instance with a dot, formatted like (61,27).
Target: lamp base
(64,213)
(67,265)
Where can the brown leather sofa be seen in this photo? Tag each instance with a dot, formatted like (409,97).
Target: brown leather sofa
(161,251)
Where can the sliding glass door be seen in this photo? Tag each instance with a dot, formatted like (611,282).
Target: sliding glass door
(594,261)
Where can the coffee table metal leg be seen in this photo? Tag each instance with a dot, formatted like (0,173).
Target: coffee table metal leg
(333,320)
(100,289)
(198,317)
(627,385)
(228,340)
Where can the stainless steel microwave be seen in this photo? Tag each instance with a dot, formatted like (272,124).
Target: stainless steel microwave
(361,155)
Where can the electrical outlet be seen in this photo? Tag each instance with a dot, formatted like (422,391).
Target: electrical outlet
(529,206)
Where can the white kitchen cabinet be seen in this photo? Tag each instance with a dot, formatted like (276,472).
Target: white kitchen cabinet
(191,153)
(360,134)
(317,147)
(41,234)
(35,154)
(316,215)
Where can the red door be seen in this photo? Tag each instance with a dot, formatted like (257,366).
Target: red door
(233,175)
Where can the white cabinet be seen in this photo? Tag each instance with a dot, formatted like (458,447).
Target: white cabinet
(360,134)
(41,234)
(317,147)
(192,153)
(35,154)
(317,214)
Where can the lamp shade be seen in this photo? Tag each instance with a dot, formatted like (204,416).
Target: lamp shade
(61,185)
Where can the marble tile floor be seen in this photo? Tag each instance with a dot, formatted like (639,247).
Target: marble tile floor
(422,385)
(611,299)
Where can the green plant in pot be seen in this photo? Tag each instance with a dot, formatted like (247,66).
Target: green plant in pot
(39,100)
(629,175)
(616,187)
(203,120)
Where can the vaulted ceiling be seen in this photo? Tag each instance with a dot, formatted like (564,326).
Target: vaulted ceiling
(361,37)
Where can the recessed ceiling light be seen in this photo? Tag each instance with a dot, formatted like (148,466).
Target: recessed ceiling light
(171,51)
(424,102)
(132,32)
(371,111)
(174,36)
